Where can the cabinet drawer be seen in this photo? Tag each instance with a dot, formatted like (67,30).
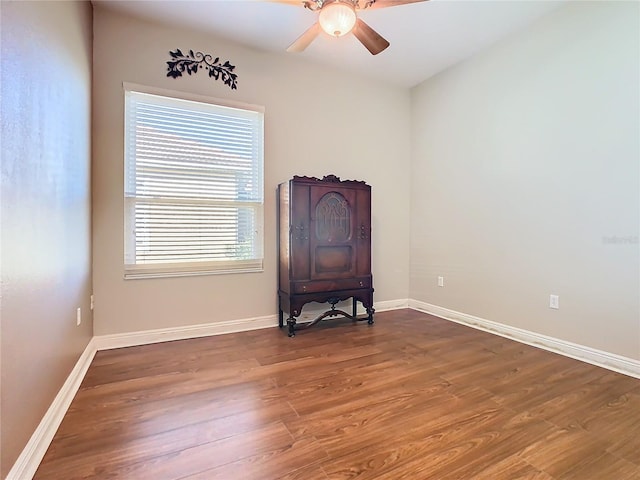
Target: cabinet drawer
(332,285)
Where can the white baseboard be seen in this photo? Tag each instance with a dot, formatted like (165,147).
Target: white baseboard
(32,454)
(131,339)
(391,305)
(610,361)
(145,337)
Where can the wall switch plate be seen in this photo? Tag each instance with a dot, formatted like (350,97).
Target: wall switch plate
(554,301)
(78,316)
(441,281)
(91,305)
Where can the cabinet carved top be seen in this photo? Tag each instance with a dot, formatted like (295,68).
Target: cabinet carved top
(329,179)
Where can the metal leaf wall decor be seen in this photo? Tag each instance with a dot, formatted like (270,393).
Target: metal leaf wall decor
(193,62)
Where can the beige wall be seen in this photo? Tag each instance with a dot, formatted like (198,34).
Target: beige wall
(46,200)
(317,121)
(525,180)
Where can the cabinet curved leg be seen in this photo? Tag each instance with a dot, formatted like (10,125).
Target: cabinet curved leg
(291,323)
(370,311)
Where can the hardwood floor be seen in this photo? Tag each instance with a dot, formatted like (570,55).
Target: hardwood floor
(412,397)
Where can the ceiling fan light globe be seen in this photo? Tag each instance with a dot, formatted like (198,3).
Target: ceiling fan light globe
(337,18)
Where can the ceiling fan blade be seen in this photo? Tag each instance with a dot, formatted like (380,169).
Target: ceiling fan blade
(389,3)
(371,39)
(305,39)
(289,2)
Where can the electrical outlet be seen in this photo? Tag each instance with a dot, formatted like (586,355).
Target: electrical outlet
(441,281)
(78,316)
(91,305)
(554,302)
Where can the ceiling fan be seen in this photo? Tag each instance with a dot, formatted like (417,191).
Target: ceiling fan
(339,17)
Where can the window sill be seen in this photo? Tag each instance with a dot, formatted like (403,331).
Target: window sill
(157,273)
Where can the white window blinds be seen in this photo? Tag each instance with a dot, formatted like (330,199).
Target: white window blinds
(193,187)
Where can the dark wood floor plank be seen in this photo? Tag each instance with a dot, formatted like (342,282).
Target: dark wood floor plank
(412,397)
(563,450)
(119,393)
(300,459)
(167,432)
(603,466)
(511,468)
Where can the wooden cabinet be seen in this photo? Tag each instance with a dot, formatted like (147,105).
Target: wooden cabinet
(325,246)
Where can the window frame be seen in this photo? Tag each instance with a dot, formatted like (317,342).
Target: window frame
(185,268)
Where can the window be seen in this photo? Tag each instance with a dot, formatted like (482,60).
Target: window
(193,186)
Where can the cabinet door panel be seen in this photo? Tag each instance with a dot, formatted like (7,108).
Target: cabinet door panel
(333,240)
(334,259)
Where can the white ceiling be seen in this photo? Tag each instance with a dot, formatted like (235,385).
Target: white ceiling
(425,37)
